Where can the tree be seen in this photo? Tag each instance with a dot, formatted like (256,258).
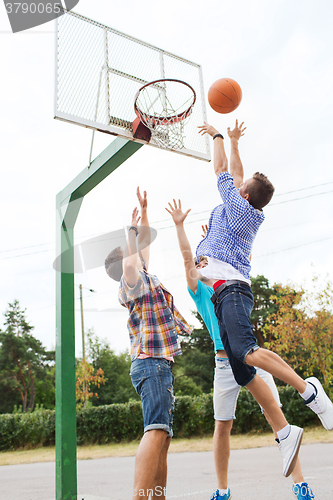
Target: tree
(196,363)
(116,368)
(302,330)
(263,307)
(85,378)
(23,359)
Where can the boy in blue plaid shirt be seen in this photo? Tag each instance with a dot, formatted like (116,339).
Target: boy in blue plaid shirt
(232,228)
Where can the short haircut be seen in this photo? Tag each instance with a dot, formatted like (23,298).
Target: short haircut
(199,259)
(114,264)
(260,191)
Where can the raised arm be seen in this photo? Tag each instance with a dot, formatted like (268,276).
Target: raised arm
(178,217)
(144,238)
(220,158)
(130,262)
(236,166)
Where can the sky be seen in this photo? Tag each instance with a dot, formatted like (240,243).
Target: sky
(281,55)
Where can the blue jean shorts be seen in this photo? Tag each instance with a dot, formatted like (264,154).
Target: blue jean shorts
(153,380)
(233,311)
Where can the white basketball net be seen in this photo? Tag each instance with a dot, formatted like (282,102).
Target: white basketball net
(164,107)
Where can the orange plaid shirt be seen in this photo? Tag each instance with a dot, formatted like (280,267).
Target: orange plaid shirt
(154,322)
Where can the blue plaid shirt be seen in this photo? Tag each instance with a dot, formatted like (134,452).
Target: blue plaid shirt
(233,225)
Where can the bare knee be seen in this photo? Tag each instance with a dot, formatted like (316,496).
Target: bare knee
(253,357)
(223,427)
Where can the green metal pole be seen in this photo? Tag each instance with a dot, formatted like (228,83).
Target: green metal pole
(68,203)
(66,482)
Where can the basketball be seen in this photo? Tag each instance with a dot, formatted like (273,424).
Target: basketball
(224,95)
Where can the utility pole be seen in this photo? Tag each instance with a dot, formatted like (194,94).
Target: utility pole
(82,326)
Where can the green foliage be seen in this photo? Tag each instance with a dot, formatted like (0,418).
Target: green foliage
(294,408)
(27,430)
(185,386)
(23,361)
(248,415)
(301,330)
(45,389)
(263,306)
(197,362)
(109,423)
(116,368)
(193,416)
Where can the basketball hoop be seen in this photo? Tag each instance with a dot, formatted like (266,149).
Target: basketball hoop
(163,107)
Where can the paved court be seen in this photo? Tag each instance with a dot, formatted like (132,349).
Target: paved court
(255,474)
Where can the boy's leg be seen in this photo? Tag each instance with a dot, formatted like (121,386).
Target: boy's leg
(273,364)
(153,445)
(289,436)
(221,447)
(159,483)
(233,310)
(310,389)
(226,391)
(243,374)
(263,395)
(153,380)
(297,473)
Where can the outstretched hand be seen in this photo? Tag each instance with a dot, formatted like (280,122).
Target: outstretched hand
(176,212)
(135,217)
(204,228)
(207,129)
(237,132)
(143,201)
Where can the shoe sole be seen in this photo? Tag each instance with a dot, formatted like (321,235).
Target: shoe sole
(314,381)
(294,459)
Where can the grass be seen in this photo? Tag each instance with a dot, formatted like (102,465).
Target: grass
(89,452)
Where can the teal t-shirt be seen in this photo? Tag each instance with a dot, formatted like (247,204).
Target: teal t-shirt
(206,310)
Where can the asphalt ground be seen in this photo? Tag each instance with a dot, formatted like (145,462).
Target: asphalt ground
(254,474)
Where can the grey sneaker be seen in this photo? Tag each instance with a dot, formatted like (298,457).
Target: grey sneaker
(321,404)
(289,448)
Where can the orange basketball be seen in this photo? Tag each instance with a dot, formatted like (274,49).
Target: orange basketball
(224,95)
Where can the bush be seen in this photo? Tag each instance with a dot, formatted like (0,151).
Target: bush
(193,416)
(27,430)
(249,417)
(109,423)
(294,408)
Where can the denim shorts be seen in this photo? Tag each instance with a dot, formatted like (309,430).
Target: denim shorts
(226,389)
(233,311)
(153,380)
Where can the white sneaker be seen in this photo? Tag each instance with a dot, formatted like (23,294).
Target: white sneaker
(289,448)
(321,404)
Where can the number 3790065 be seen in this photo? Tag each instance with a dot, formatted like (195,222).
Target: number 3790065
(32,8)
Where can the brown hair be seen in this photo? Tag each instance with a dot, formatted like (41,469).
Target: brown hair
(199,259)
(114,264)
(260,191)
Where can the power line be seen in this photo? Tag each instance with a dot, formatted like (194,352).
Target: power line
(292,248)
(170,227)
(166,220)
(297,199)
(304,189)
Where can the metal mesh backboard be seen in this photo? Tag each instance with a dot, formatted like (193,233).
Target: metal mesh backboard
(99,71)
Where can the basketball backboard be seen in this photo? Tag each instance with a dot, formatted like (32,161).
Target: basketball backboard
(99,72)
